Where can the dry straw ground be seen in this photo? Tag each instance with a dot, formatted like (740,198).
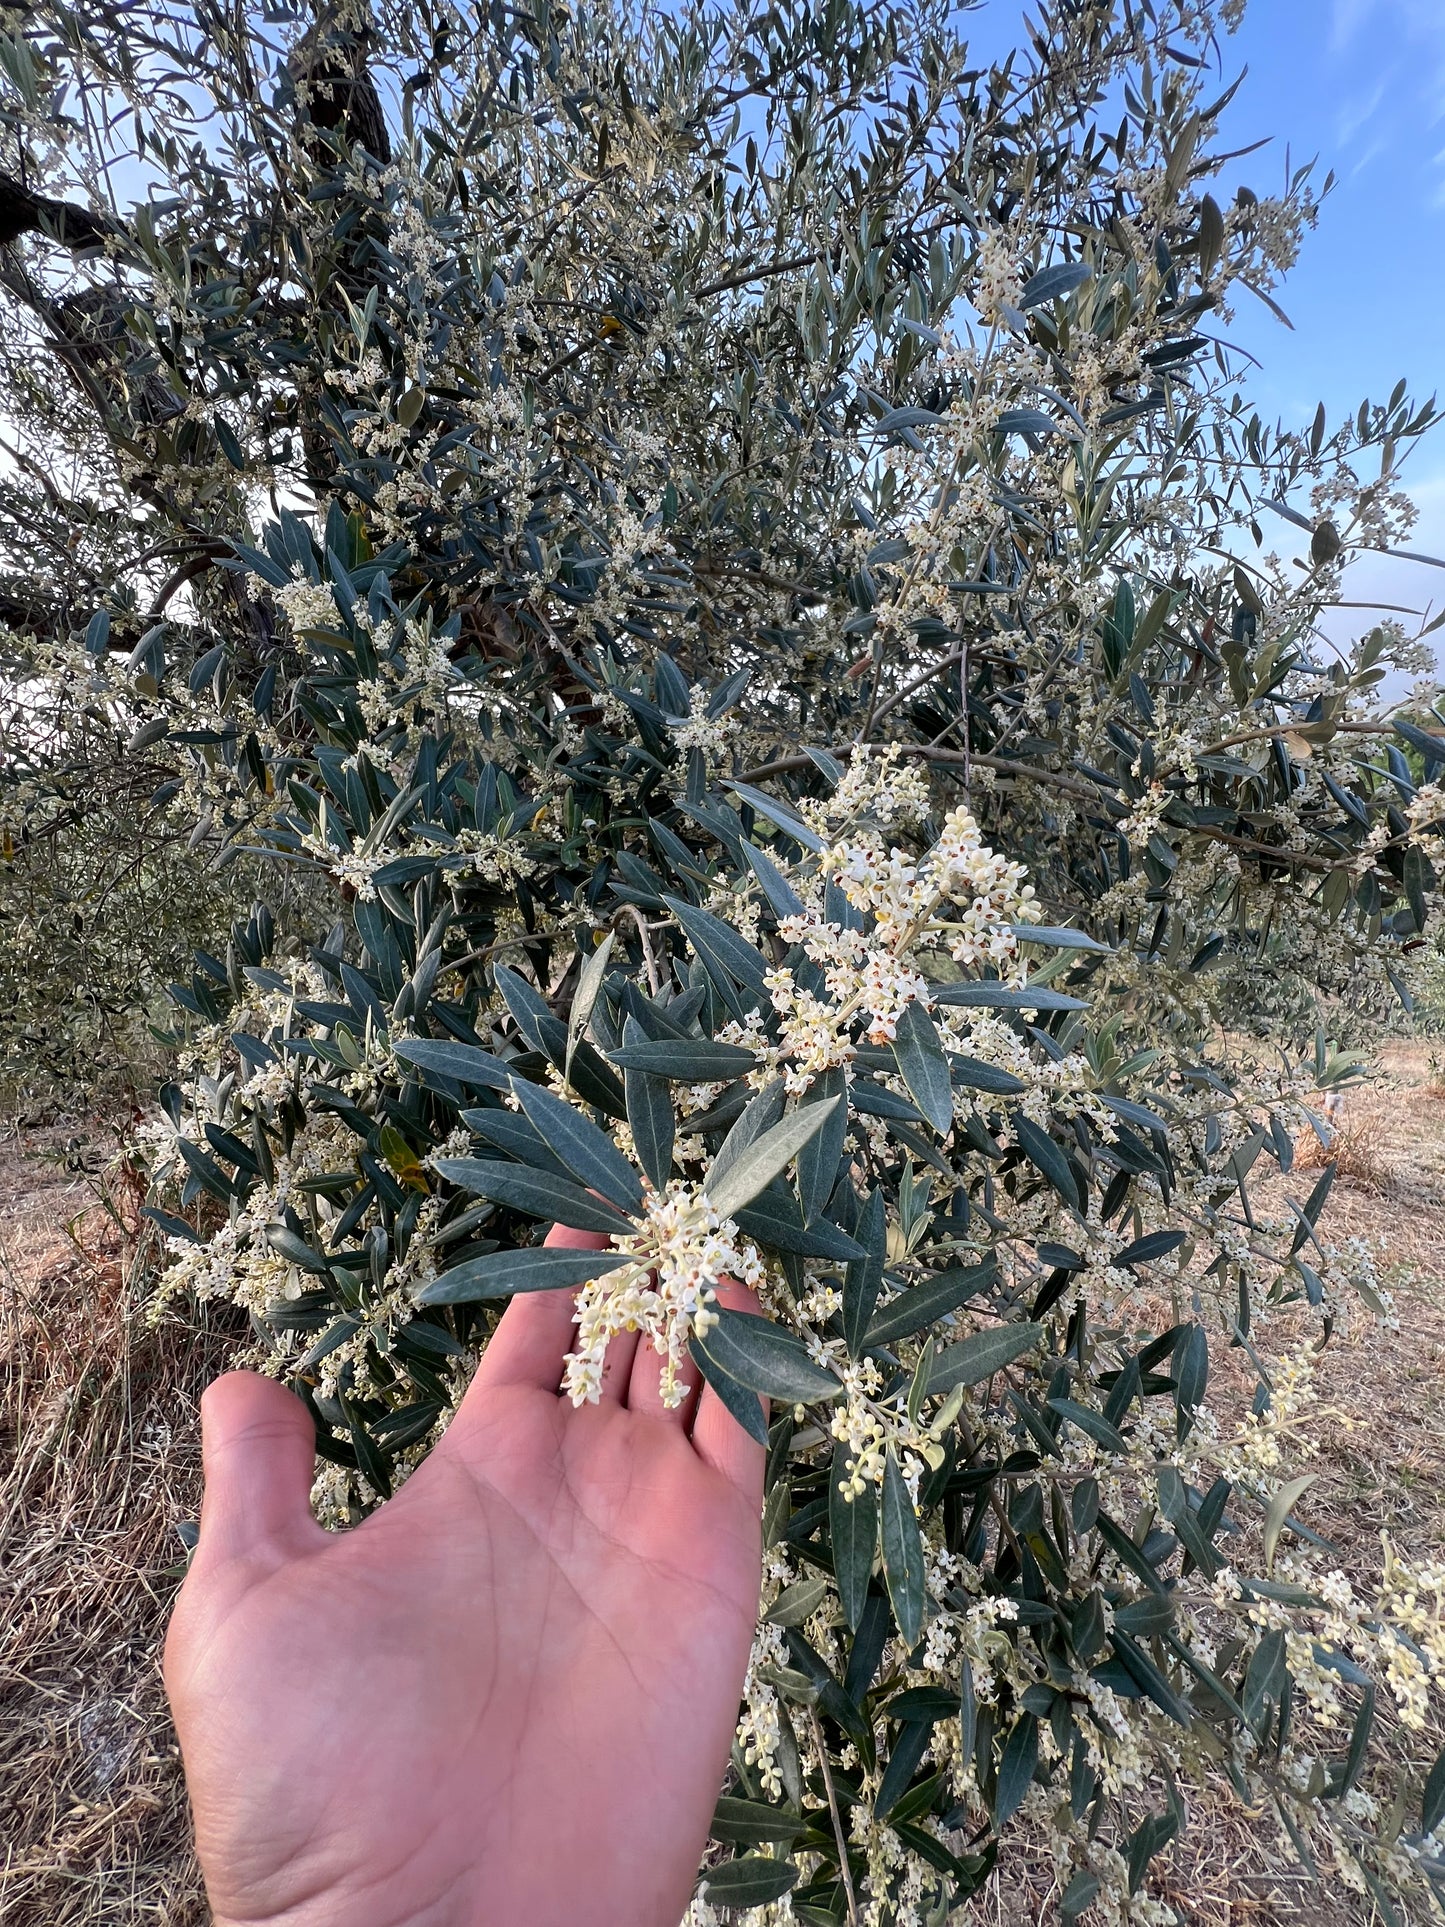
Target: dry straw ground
(98,1465)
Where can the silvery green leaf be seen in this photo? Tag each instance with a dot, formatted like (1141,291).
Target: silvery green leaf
(767,1359)
(919,1051)
(782,897)
(830,766)
(1016,1769)
(1078,1897)
(529,1011)
(1432,1799)
(925,1303)
(589,1154)
(1191,1375)
(1314,1204)
(1267,1676)
(537,1192)
(1092,1423)
(818,1158)
(796,1604)
(1058,939)
(863,1279)
(515,1135)
(928,1704)
(980,1355)
(744,1403)
(1148,1249)
(871,1100)
(721,950)
(1004,997)
(765,1159)
(909,1747)
(649,1113)
(1047,1158)
(774,1220)
(972,1074)
(1053,283)
(1132,1113)
(694,1060)
(853,1532)
(752,1881)
(589,983)
(1281,1505)
(671,687)
(1026,421)
(295,1250)
(500,1274)
(760,1114)
(749,1820)
(779,813)
(903,1567)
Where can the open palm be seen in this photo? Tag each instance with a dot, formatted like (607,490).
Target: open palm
(505,1698)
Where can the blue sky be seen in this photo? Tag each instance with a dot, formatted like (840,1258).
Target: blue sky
(1361,85)
(1358,85)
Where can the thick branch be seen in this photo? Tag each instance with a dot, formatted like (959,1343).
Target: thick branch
(22,212)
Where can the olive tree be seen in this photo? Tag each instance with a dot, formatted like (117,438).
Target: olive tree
(724,553)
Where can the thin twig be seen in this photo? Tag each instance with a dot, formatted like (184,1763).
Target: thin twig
(653,980)
(1056,779)
(821,1748)
(920,681)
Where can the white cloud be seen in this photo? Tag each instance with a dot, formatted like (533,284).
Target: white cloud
(1348,17)
(1407,37)
(1356,113)
(1405,26)
(1371,153)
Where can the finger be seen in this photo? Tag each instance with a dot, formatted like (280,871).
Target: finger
(535,1332)
(617,1368)
(258,1450)
(644,1393)
(716,1435)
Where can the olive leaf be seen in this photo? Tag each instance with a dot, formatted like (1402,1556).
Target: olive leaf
(903,1567)
(853,1533)
(589,1154)
(649,1113)
(538,1193)
(752,1881)
(980,1355)
(761,1356)
(927,1302)
(461,1064)
(1281,1504)
(500,1274)
(765,1158)
(923,1066)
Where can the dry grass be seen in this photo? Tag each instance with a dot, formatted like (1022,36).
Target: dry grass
(1355,1154)
(98,1464)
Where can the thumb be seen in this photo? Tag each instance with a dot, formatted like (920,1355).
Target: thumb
(258,1451)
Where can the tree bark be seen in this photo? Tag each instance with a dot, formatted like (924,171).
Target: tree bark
(22,212)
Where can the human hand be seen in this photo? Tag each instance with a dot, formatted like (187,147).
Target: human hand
(508,1696)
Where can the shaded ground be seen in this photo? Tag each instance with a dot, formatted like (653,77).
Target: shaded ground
(98,1464)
